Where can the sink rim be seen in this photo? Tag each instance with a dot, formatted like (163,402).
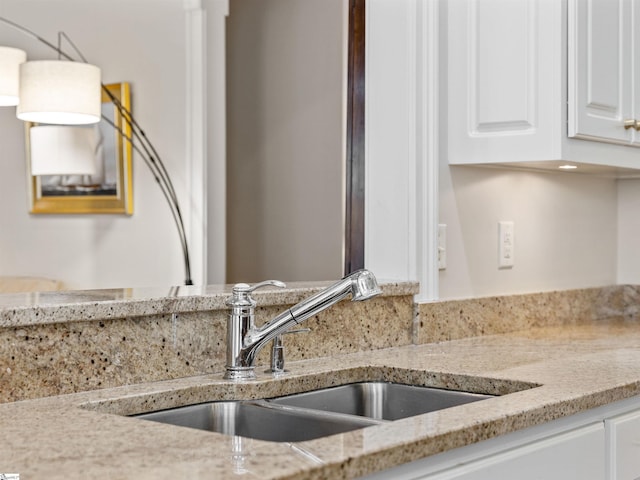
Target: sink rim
(166,394)
(228,421)
(380,400)
(352,421)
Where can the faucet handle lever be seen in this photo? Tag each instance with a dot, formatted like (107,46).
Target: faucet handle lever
(245,288)
(241,292)
(241,295)
(266,283)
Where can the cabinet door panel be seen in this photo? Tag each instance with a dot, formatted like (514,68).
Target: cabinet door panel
(624,434)
(502,93)
(634,6)
(492,45)
(600,64)
(575,455)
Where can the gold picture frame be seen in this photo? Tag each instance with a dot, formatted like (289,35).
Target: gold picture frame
(114,193)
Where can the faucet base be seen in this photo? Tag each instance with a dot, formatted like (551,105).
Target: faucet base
(240,373)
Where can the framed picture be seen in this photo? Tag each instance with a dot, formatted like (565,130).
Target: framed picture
(104,182)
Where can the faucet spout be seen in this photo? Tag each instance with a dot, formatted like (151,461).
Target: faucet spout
(361,284)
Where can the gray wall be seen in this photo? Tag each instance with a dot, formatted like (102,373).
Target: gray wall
(286,75)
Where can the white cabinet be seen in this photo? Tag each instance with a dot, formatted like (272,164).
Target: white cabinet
(545,452)
(530,82)
(576,455)
(504,93)
(624,446)
(601,63)
(599,444)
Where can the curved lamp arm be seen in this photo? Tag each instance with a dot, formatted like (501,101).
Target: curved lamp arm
(145,149)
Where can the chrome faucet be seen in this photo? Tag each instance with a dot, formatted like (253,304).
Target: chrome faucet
(245,340)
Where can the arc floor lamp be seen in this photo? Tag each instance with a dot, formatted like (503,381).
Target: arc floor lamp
(68,91)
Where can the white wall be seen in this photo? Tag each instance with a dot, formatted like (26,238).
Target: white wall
(565,225)
(565,231)
(628,260)
(571,231)
(142,42)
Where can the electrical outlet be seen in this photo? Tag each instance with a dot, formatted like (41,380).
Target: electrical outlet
(506,244)
(442,246)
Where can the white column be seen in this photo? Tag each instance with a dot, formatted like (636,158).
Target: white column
(217,12)
(195,208)
(401,183)
(427,194)
(205,210)
(390,138)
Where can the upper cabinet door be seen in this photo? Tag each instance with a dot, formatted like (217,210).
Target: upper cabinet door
(600,69)
(634,47)
(540,83)
(504,92)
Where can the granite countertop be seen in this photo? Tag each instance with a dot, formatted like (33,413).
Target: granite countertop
(84,435)
(33,308)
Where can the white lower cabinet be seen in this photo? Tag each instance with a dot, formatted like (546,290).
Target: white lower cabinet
(623,433)
(576,455)
(600,444)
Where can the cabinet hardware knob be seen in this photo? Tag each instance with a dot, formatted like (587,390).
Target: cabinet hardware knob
(630,123)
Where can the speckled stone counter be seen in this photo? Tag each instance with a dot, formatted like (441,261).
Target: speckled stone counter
(64,342)
(23,309)
(84,435)
(454,319)
(122,352)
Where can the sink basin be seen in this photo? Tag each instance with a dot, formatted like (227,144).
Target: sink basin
(380,400)
(258,420)
(320,413)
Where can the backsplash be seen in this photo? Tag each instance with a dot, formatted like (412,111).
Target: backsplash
(454,319)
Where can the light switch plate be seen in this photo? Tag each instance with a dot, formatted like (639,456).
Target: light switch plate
(506,244)
(442,246)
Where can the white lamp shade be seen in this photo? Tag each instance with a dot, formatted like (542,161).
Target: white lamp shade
(10,60)
(59,92)
(63,150)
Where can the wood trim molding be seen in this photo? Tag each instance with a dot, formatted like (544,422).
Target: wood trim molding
(355,142)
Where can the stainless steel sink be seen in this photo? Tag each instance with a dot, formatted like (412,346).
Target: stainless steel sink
(380,400)
(259,420)
(315,414)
